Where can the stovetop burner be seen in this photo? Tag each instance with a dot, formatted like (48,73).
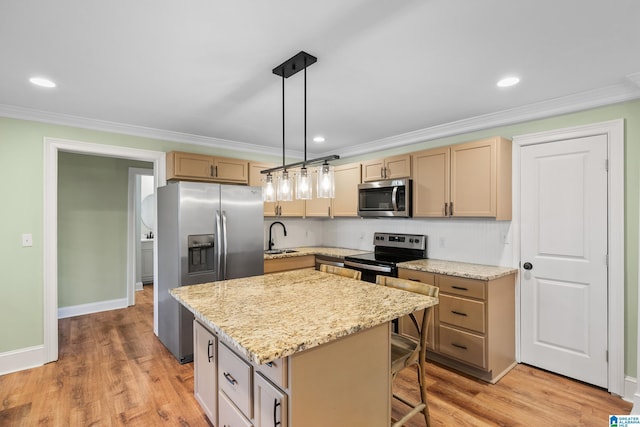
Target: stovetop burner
(391,249)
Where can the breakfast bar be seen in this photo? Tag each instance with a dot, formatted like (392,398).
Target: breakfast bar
(311,348)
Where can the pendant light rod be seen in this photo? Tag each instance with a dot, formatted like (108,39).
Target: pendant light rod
(283,127)
(308,162)
(305,111)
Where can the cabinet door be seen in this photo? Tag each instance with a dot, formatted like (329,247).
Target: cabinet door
(230,416)
(231,170)
(347,179)
(205,359)
(431,182)
(317,207)
(473,179)
(270,404)
(372,170)
(189,165)
(397,167)
(146,254)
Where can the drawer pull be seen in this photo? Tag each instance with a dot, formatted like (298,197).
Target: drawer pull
(230,378)
(209,348)
(459,313)
(463,347)
(269,364)
(275,412)
(460,288)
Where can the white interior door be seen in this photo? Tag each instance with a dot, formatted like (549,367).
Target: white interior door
(564,243)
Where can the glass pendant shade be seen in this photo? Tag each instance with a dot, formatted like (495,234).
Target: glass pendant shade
(268,189)
(285,187)
(303,184)
(326,182)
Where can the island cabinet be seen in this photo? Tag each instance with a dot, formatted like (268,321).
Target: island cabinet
(334,384)
(472,179)
(202,167)
(387,168)
(205,358)
(474,324)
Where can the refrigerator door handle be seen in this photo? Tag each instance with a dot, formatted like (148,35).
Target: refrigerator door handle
(224,237)
(218,266)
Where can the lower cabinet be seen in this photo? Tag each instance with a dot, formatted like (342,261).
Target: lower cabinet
(344,382)
(205,358)
(473,329)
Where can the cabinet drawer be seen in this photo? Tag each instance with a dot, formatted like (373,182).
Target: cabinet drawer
(465,346)
(466,313)
(464,287)
(276,371)
(234,378)
(419,276)
(229,414)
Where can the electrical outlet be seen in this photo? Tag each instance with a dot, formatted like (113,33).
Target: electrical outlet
(27,240)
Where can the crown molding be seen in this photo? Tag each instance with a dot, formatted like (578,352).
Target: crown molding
(22,113)
(627,91)
(568,104)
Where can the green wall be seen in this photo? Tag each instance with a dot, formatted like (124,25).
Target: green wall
(92,228)
(21,190)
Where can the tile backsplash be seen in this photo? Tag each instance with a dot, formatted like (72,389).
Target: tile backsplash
(478,241)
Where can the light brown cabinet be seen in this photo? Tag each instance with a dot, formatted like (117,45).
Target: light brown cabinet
(277,265)
(294,208)
(464,180)
(345,203)
(387,168)
(474,324)
(201,167)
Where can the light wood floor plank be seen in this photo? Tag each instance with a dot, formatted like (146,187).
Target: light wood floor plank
(113,371)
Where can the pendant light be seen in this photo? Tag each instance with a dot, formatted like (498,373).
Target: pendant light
(268,189)
(303,182)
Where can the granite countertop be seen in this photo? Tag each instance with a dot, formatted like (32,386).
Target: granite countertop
(459,269)
(316,250)
(276,315)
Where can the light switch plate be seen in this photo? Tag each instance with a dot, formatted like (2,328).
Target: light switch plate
(27,240)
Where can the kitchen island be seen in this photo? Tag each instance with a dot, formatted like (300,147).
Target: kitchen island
(313,348)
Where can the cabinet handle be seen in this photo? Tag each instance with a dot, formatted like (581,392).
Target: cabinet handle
(460,288)
(275,412)
(446,205)
(381,172)
(269,364)
(329,211)
(230,378)
(209,348)
(463,347)
(211,170)
(459,313)
(451,209)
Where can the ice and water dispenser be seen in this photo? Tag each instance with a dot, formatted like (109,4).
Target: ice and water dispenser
(201,249)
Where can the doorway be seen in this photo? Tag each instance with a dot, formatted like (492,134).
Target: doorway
(52,146)
(140,230)
(549,291)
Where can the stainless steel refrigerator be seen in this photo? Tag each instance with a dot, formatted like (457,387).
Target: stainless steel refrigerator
(206,232)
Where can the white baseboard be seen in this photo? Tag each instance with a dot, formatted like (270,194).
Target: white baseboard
(94,307)
(139,286)
(19,360)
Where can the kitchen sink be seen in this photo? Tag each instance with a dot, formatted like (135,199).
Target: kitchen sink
(279,251)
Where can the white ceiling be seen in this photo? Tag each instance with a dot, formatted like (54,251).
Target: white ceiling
(388,72)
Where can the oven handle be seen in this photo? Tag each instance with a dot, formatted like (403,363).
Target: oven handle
(380,268)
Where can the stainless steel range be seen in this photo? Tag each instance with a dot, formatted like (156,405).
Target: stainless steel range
(389,250)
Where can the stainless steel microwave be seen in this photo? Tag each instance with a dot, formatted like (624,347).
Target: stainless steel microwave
(387,198)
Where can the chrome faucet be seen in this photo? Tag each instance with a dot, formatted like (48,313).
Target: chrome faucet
(271,228)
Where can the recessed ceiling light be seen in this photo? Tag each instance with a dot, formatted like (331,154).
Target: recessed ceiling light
(508,81)
(318,139)
(42,82)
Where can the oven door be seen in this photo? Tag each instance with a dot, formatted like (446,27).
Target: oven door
(369,271)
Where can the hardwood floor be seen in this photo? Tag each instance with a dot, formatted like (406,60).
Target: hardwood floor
(113,371)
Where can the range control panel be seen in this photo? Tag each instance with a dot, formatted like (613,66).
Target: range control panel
(407,241)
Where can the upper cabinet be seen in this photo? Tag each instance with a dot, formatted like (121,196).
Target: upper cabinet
(201,167)
(387,168)
(465,180)
(345,203)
